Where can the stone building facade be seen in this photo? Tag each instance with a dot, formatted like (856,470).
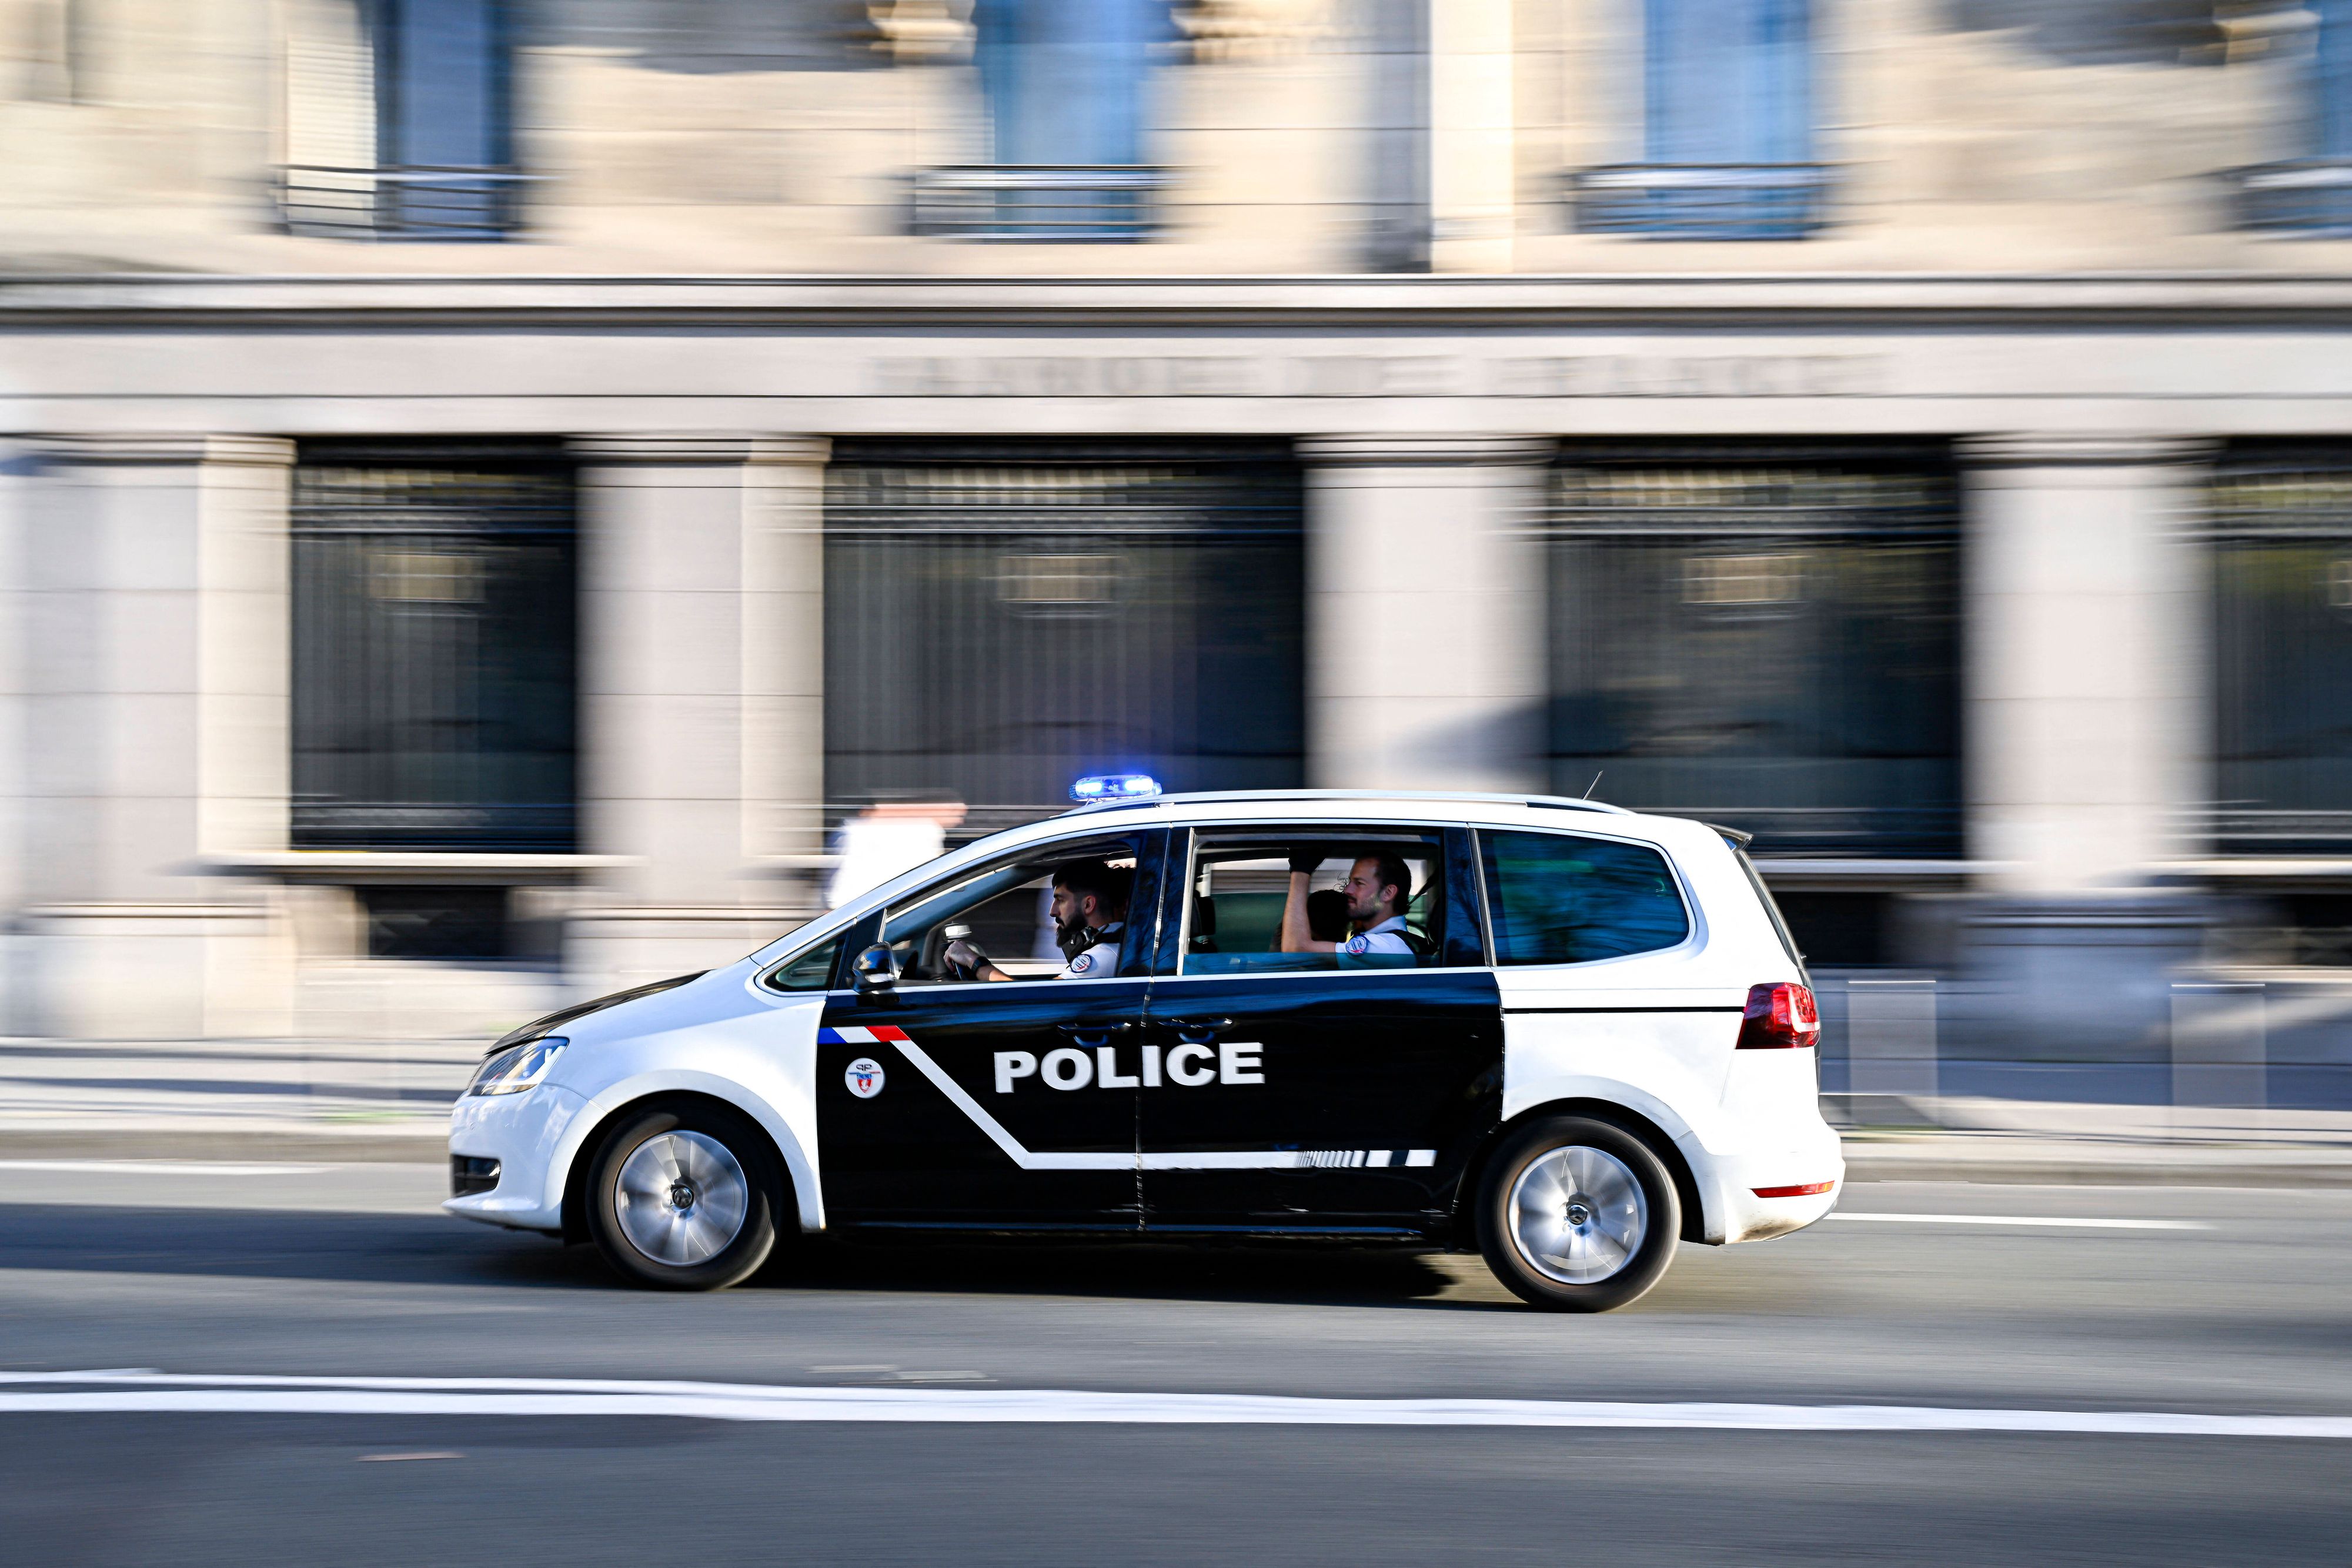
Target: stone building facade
(490,488)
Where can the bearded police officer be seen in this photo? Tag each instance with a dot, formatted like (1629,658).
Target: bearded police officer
(1090,912)
(1377,890)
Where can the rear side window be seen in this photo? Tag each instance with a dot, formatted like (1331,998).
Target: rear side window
(1557,899)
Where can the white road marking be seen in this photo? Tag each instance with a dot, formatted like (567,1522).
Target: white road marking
(389,1458)
(160,1168)
(211,1394)
(2073,1224)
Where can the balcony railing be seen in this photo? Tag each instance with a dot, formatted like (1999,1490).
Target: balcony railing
(404,203)
(1701,201)
(2307,196)
(1039,202)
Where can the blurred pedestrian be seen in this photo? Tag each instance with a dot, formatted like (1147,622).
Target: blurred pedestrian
(887,837)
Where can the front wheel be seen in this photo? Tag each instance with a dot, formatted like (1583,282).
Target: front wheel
(1577,1215)
(684,1197)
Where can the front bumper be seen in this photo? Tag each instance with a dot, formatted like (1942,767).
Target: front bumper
(523,1133)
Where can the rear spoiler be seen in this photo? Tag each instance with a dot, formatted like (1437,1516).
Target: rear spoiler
(1738,840)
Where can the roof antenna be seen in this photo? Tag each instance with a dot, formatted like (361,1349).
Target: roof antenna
(1588,788)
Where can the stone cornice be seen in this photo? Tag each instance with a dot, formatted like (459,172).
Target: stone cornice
(2197,300)
(2067,450)
(165,448)
(1384,451)
(701,449)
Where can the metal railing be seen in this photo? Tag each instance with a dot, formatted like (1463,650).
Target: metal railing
(410,203)
(2307,196)
(1701,201)
(1039,202)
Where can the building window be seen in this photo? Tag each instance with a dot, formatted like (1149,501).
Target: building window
(2282,554)
(1003,617)
(433,660)
(399,121)
(1762,635)
(1728,128)
(1067,86)
(2310,195)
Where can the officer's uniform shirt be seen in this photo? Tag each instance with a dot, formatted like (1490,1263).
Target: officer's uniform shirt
(1099,962)
(1386,938)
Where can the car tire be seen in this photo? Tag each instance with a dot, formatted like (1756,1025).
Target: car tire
(1577,1215)
(684,1197)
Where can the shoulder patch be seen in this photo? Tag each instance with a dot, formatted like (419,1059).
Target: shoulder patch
(1360,943)
(1082,963)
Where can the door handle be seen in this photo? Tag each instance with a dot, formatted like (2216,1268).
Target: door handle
(1198,1026)
(1093,1027)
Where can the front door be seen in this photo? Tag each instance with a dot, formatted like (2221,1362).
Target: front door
(951,1104)
(1312,1091)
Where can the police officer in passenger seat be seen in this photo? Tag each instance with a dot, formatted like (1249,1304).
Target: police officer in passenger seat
(1089,910)
(1377,888)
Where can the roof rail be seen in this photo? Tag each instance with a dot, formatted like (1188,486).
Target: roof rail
(1213,797)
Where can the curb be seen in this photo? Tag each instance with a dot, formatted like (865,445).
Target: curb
(2101,1167)
(331,1149)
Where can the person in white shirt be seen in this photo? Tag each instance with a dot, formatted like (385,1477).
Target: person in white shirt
(884,840)
(1089,914)
(1377,890)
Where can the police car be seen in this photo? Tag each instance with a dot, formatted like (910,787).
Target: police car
(1558,1032)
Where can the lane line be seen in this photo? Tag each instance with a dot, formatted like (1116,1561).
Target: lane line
(2070,1224)
(217,1394)
(160,1168)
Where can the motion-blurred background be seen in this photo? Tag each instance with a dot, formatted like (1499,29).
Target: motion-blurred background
(492,489)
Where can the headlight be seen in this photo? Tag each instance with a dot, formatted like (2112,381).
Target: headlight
(512,1071)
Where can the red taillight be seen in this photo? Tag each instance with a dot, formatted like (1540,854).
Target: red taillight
(1779,1016)
(1809,1190)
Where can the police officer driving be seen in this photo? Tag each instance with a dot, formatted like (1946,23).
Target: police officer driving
(1089,914)
(1377,890)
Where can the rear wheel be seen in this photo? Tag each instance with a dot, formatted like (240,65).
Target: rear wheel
(684,1198)
(1577,1215)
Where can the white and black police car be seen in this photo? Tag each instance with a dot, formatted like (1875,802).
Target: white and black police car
(1561,1033)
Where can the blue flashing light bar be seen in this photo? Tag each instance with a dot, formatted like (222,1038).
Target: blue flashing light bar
(1115,786)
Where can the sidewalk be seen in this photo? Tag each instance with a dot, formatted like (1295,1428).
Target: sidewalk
(366,1101)
(334,1100)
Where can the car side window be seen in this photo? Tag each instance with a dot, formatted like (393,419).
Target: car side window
(1002,911)
(1374,899)
(1555,898)
(810,969)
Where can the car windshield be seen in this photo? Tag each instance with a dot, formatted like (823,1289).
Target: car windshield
(1004,909)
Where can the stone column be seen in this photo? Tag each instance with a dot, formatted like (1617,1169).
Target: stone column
(2084,634)
(2085,724)
(702,694)
(154,597)
(1424,612)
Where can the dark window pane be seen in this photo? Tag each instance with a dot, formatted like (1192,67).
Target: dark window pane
(436,922)
(2281,543)
(1761,634)
(1556,899)
(433,666)
(1004,617)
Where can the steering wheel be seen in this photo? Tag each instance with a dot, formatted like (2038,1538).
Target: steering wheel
(936,961)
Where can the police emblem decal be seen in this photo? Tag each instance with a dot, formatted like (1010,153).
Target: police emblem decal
(864,1078)
(1359,945)
(1082,963)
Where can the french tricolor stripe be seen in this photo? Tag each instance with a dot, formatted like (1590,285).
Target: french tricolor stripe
(881,1035)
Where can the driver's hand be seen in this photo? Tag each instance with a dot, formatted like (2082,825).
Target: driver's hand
(964,956)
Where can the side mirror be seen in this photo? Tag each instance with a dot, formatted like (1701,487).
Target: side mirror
(875,970)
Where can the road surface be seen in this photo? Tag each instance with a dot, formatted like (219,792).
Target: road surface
(2209,1304)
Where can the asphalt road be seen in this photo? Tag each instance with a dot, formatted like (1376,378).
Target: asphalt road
(349,1270)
